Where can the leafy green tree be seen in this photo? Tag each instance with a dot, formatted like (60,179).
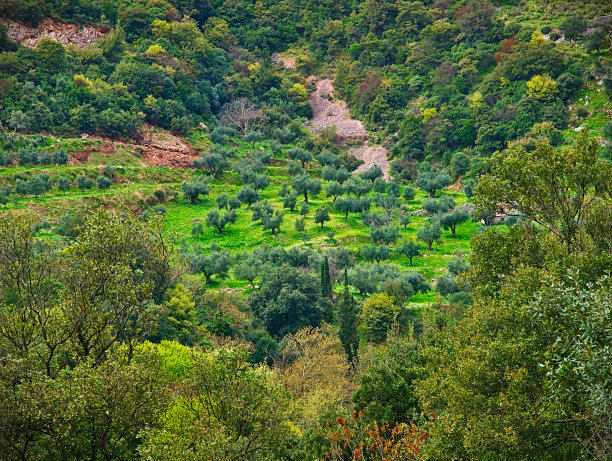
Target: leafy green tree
(283,135)
(410,249)
(457,265)
(380,186)
(60,157)
(358,187)
(19,121)
(261,210)
(36,185)
(429,232)
(192,190)
(460,163)
(409,193)
(234,203)
(446,285)
(334,189)
(304,184)
(576,319)
(20,187)
(297,153)
(294,168)
(83,182)
(103,182)
(386,389)
(51,56)
(346,205)
(598,39)
(542,88)
(505,330)
(376,253)
(218,221)
(410,138)
(387,202)
(197,228)
(216,161)
(246,407)
(372,174)
(253,137)
(452,218)
(93,319)
(216,262)
(385,234)
(479,20)
(573,27)
(379,313)
(247,268)
(104,409)
(272,221)
(365,278)
(342,175)
(63,184)
(222,201)
(404,219)
(247,195)
(322,215)
(288,300)
(179,321)
(329,173)
(556,188)
(300,225)
(290,201)
(431,181)
(326,158)
(433,206)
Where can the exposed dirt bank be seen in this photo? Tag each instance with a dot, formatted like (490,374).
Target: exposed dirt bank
(62,32)
(330,111)
(156,148)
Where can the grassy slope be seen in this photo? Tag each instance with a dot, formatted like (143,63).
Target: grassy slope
(140,181)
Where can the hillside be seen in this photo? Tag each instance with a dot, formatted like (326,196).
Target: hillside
(305,230)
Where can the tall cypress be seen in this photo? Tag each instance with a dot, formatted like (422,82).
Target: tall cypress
(347,317)
(325,279)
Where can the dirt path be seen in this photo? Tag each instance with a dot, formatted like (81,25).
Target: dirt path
(329,111)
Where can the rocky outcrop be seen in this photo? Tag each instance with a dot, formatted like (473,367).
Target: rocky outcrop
(62,32)
(329,111)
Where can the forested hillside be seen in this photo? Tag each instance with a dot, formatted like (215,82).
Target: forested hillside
(305,230)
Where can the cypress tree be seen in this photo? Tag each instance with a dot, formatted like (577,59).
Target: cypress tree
(347,317)
(325,278)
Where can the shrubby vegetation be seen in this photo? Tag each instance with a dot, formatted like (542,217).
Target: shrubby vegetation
(267,301)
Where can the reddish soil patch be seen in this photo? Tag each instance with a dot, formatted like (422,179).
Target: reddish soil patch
(155,146)
(162,148)
(80,157)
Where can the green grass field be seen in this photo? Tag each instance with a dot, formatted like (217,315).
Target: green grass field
(135,183)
